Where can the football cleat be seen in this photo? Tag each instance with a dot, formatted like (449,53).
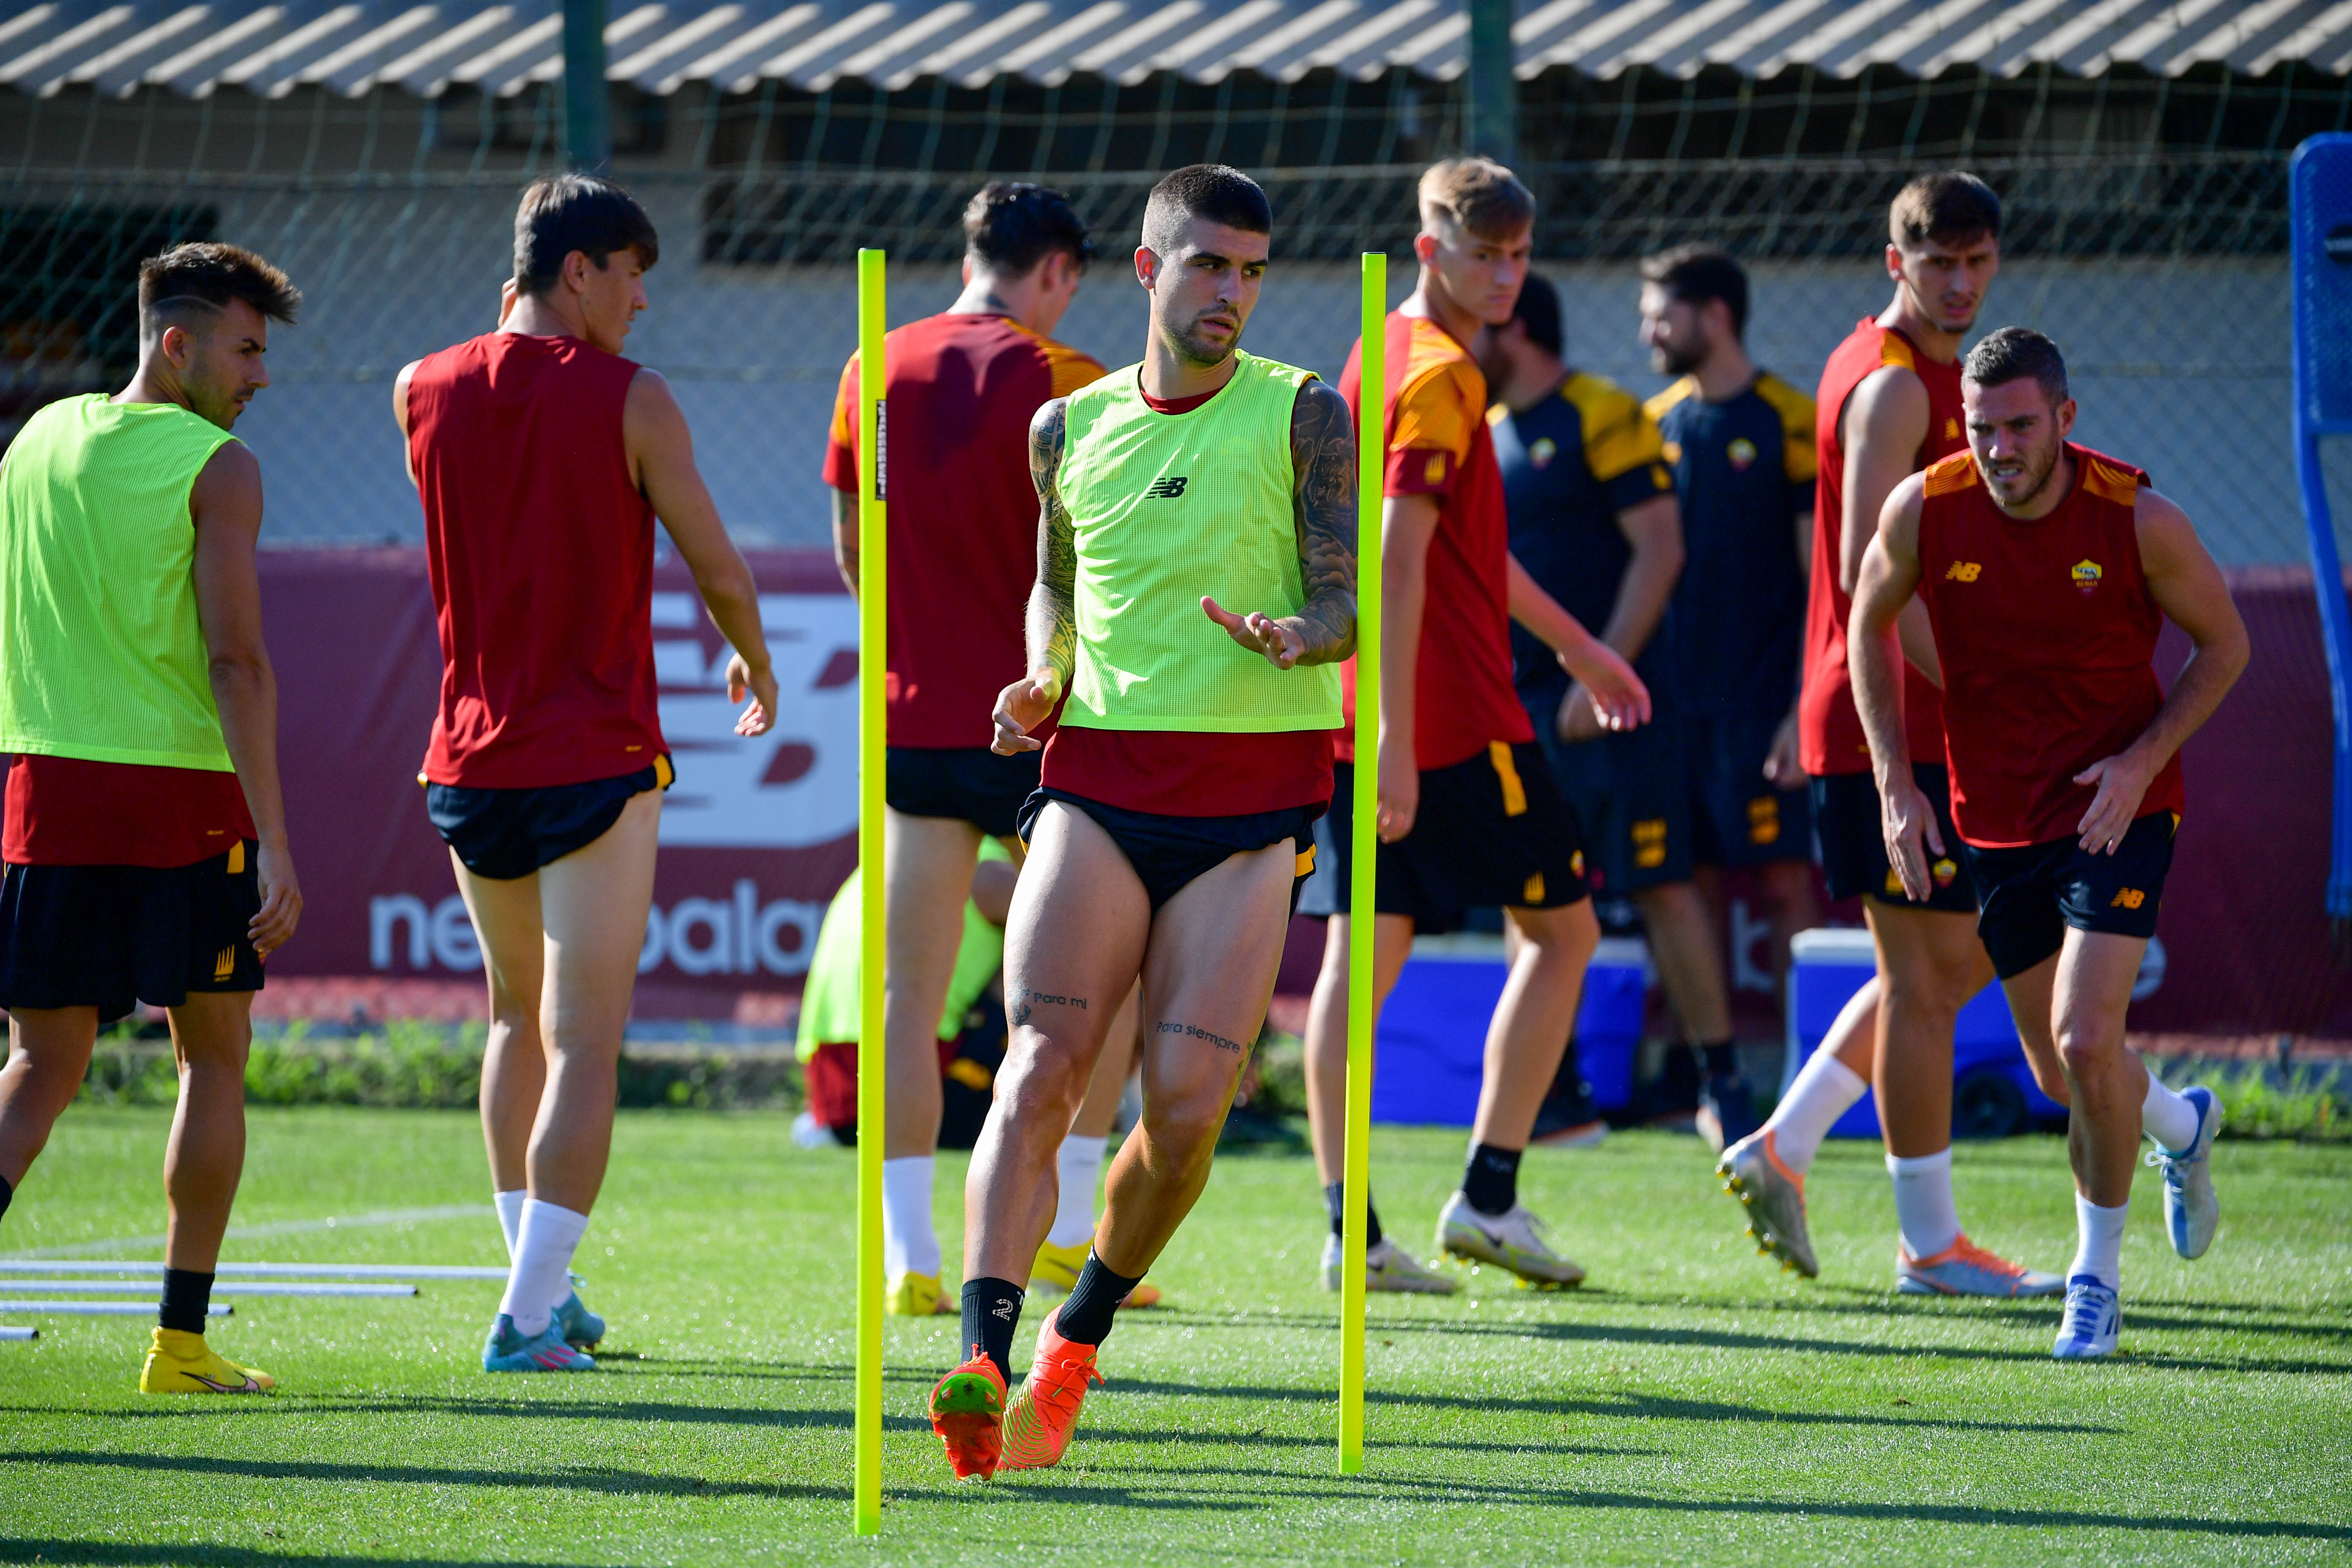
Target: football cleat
(1512,1240)
(1386,1267)
(1040,1418)
(1055,1273)
(1964,1268)
(2190,1210)
(968,1413)
(1727,1112)
(581,1329)
(912,1295)
(2092,1320)
(180,1362)
(1774,1197)
(508,1349)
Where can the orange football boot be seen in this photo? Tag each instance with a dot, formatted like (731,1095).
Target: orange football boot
(1038,1423)
(968,1413)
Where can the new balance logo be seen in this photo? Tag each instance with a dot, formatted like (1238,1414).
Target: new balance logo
(2128,899)
(1167,488)
(1963,572)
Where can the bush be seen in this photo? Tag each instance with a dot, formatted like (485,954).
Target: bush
(2258,1101)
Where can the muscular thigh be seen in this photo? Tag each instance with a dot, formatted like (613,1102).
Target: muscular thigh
(929,862)
(1209,973)
(1073,939)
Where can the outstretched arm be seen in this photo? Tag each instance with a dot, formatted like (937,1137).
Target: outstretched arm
(1890,577)
(1323,457)
(1052,602)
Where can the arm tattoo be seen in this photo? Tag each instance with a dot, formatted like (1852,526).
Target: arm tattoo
(1053,605)
(1323,456)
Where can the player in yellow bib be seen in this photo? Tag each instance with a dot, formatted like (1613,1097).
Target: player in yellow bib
(1179,791)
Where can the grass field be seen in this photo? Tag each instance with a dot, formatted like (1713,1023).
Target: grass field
(1690,1406)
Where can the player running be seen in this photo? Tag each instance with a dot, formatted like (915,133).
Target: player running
(1740,441)
(1195,584)
(960,388)
(145,838)
(2047,571)
(1468,812)
(543,459)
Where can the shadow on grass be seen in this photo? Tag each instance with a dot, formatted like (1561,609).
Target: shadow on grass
(138,1554)
(591,1479)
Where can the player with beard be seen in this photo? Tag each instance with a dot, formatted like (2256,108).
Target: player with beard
(2047,571)
(1173,822)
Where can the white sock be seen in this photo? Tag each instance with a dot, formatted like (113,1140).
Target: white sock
(909,1244)
(543,1263)
(510,1218)
(1923,1203)
(2100,1252)
(1825,1089)
(1081,1162)
(2166,1117)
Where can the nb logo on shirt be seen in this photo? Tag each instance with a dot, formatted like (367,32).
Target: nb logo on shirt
(1167,488)
(2128,899)
(1963,572)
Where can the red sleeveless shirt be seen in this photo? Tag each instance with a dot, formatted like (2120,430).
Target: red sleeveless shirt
(2047,633)
(1829,732)
(541,553)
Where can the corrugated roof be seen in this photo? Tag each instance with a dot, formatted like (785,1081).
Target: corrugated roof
(427,47)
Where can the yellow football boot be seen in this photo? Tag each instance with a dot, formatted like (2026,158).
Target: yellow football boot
(180,1362)
(912,1295)
(1055,1273)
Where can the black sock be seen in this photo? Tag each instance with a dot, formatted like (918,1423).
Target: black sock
(1492,1181)
(992,1311)
(8,1192)
(1086,1316)
(1336,1207)
(1722,1059)
(186,1294)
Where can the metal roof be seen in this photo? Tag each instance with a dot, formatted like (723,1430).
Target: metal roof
(118,46)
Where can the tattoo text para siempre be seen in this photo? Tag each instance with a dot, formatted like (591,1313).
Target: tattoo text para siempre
(1195,1032)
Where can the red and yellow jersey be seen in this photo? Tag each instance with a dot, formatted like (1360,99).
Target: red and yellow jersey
(959,391)
(2047,635)
(1435,422)
(1829,732)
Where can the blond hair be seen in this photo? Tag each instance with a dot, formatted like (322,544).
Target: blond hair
(1474,195)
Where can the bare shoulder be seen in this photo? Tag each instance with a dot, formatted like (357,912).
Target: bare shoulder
(400,393)
(230,481)
(1050,420)
(649,392)
(2167,536)
(1319,410)
(1889,393)
(1899,518)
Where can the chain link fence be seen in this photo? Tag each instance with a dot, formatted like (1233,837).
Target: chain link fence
(2163,276)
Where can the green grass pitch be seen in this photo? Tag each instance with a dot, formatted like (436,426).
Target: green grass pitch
(1693,1404)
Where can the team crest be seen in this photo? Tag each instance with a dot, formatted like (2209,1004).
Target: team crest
(1944,871)
(2087,575)
(1543,452)
(1742,454)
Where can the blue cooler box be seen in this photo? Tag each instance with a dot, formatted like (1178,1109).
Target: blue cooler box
(1993,1092)
(1431,1042)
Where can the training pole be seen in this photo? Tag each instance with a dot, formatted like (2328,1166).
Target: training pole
(873,635)
(1372,399)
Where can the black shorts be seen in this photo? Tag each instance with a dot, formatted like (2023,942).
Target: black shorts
(1169,852)
(1739,818)
(1854,843)
(2033,892)
(1490,831)
(970,784)
(503,833)
(111,937)
(1630,797)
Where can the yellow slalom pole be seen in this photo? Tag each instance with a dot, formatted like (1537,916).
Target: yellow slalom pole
(873,660)
(1370,451)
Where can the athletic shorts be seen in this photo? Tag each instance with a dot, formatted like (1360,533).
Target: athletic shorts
(1630,794)
(1739,818)
(968,784)
(1490,831)
(111,937)
(1169,852)
(503,833)
(1854,843)
(2032,893)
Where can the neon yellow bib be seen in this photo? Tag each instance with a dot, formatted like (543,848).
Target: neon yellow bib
(101,653)
(1167,508)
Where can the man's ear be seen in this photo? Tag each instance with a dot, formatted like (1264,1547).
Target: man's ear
(1424,247)
(1147,265)
(2065,412)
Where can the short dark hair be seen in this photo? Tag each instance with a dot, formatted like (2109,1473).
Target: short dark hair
(2013,354)
(204,276)
(1951,206)
(1009,225)
(1538,311)
(1220,194)
(564,212)
(1696,274)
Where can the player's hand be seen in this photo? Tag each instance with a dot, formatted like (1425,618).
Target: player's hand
(1577,720)
(1400,791)
(2121,781)
(1021,708)
(1278,644)
(1908,822)
(282,899)
(1783,766)
(761,684)
(1619,699)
